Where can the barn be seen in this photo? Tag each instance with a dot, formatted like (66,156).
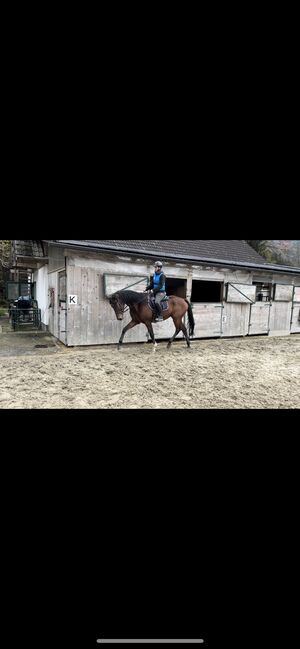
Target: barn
(232,289)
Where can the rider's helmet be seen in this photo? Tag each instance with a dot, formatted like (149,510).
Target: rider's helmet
(158,263)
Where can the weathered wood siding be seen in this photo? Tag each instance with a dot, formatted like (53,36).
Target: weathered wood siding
(92,320)
(235,319)
(92,277)
(296,296)
(241,293)
(281,310)
(295,319)
(53,305)
(295,324)
(280,318)
(283,293)
(208,320)
(117,282)
(259,318)
(62,307)
(40,278)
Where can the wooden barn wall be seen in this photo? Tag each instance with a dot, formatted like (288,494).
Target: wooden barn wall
(280,318)
(281,308)
(295,319)
(53,307)
(259,320)
(235,318)
(93,322)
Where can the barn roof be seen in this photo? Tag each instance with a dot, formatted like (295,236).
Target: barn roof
(236,250)
(236,253)
(217,251)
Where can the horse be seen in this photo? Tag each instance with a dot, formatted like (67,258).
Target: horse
(141,311)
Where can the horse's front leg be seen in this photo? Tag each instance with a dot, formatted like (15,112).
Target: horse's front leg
(151,332)
(129,326)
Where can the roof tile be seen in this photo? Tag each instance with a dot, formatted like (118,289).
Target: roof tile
(225,250)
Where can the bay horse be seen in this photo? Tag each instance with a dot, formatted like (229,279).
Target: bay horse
(141,312)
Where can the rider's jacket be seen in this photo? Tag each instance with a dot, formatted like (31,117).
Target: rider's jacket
(158,283)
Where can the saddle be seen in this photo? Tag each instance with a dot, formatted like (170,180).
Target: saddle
(164,304)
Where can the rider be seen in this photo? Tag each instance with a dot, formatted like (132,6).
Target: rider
(158,286)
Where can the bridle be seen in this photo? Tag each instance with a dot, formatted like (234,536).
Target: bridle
(121,306)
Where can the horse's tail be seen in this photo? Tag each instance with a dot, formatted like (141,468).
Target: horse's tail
(191,319)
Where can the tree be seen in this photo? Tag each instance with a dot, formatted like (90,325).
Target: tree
(5,261)
(263,247)
(284,252)
(5,253)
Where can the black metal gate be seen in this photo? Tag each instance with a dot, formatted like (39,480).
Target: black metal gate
(25,313)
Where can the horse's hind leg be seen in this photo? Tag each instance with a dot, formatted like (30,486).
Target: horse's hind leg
(185,333)
(129,326)
(177,330)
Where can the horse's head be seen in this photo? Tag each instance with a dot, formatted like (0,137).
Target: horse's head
(117,305)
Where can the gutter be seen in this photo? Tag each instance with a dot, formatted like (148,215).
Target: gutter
(31,258)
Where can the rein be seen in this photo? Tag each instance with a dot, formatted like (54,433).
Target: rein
(122,306)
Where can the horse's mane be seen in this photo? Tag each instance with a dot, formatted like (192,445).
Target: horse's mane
(132,297)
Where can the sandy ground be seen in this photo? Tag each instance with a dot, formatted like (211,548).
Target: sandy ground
(253,372)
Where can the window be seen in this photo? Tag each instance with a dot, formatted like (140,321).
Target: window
(176,287)
(263,291)
(203,291)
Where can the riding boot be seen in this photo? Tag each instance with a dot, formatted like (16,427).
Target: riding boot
(159,315)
